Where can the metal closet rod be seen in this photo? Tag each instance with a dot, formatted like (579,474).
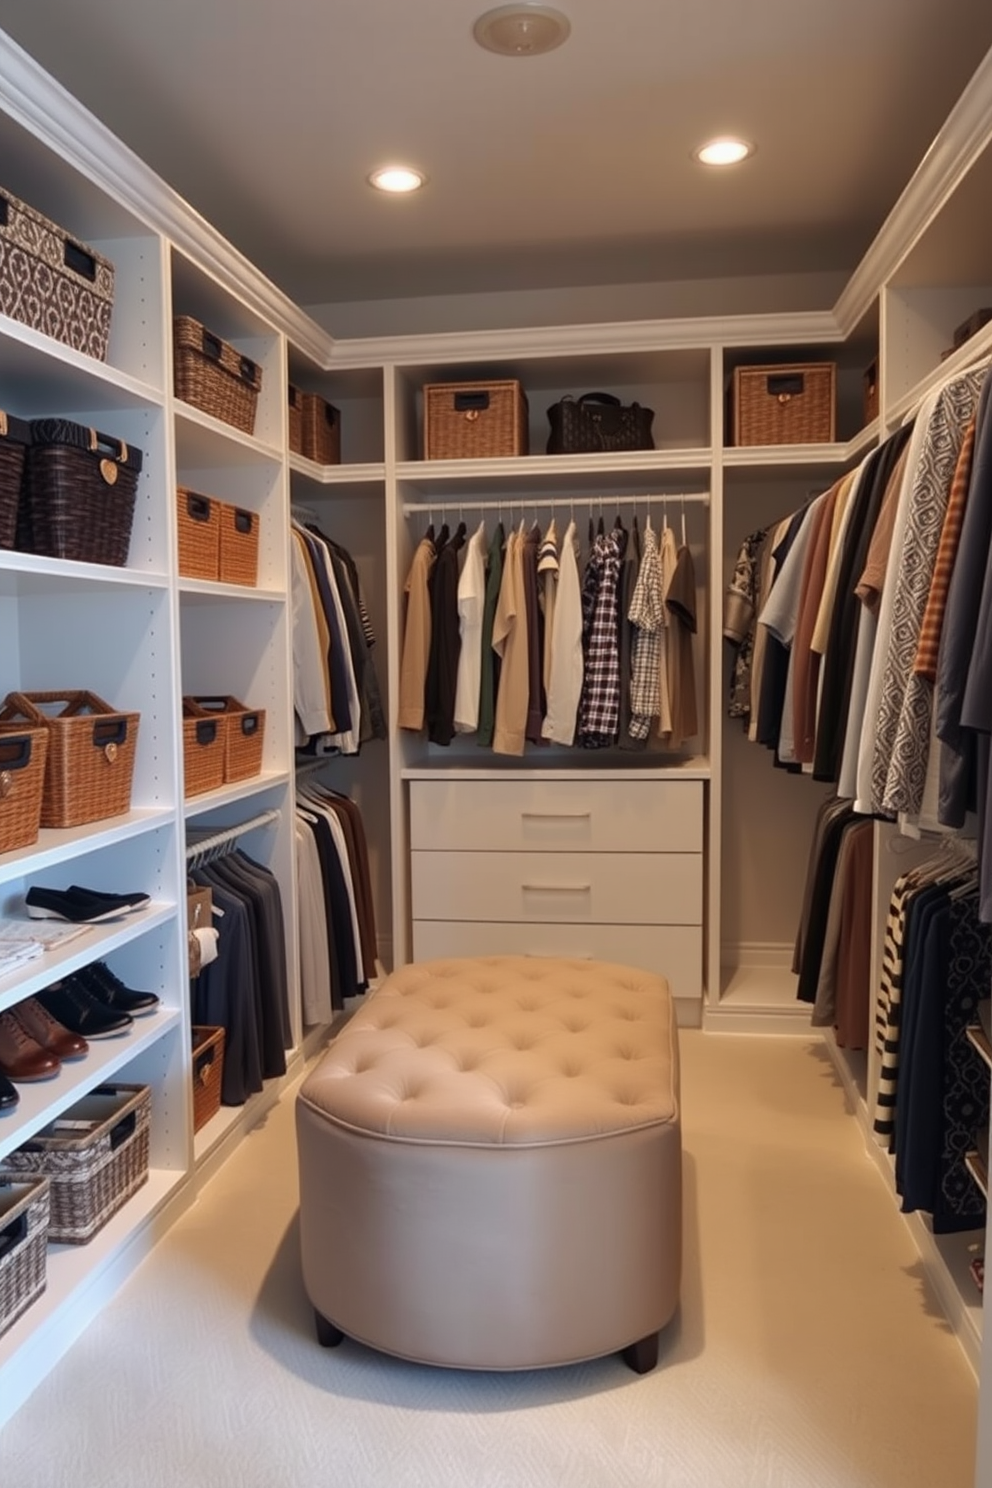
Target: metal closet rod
(209,846)
(542,503)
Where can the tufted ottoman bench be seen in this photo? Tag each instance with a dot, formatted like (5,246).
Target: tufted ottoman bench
(490,1166)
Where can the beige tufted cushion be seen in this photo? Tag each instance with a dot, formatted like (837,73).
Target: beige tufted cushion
(508,1050)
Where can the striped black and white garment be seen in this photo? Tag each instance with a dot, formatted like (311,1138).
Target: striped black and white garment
(647,614)
(599,704)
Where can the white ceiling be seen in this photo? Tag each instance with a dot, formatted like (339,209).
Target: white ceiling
(567,169)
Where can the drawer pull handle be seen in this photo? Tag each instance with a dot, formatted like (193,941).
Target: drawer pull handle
(556,815)
(557,888)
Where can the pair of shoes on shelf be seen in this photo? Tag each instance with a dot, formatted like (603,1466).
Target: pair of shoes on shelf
(95,1003)
(81,905)
(8,1095)
(21,1056)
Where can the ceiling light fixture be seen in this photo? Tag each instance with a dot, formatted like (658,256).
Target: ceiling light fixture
(724,151)
(521,30)
(397,179)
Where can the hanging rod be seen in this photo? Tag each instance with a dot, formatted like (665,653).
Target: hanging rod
(203,849)
(310,766)
(543,503)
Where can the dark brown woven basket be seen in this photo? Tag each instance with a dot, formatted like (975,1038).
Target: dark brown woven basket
(295,420)
(204,743)
(198,526)
(15,436)
(95,1156)
(474,420)
(208,1072)
(91,749)
(23,752)
(214,376)
(244,735)
(321,430)
(25,1208)
(788,404)
(79,494)
(238,562)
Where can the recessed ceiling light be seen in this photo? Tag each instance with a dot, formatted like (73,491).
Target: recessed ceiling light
(397,178)
(521,30)
(724,151)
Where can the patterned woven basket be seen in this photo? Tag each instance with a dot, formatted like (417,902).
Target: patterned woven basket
(79,493)
(23,752)
(52,282)
(244,735)
(204,743)
(295,420)
(238,562)
(213,376)
(321,430)
(474,420)
(198,526)
(91,750)
(790,404)
(25,1207)
(208,1072)
(15,436)
(95,1156)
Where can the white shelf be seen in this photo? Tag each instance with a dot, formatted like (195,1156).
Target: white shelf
(62,845)
(463,770)
(204,442)
(239,790)
(207,591)
(40,376)
(366,479)
(95,944)
(28,573)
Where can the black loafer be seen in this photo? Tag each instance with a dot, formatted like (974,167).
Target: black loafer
(129,903)
(62,904)
(101,983)
(70,1003)
(8,1094)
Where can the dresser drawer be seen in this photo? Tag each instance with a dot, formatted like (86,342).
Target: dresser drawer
(673,951)
(573,888)
(634,816)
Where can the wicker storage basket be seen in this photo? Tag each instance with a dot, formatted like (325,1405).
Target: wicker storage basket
(199,534)
(295,420)
(474,420)
(91,750)
(238,563)
(52,282)
(790,404)
(244,735)
(208,1071)
(321,430)
(95,1156)
(22,782)
(204,742)
(214,376)
(25,1207)
(15,436)
(79,493)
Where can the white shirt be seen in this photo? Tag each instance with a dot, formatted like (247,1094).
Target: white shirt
(471,601)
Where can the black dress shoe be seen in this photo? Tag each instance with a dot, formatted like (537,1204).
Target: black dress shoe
(130,903)
(8,1094)
(69,1002)
(65,904)
(101,983)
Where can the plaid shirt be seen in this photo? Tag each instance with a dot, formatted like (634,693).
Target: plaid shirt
(647,612)
(599,704)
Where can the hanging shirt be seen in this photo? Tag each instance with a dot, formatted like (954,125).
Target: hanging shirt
(510,644)
(565,678)
(599,704)
(489,659)
(646,614)
(681,604)
(471,602)
(416,637)
(547,581)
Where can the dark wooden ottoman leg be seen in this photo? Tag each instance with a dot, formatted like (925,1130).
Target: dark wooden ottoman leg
(641,1356)
(327,1335)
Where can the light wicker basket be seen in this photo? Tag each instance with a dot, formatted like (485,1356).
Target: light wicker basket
(244,735)
(199,534)
(214,376)
(785,404)
(474,420)
(239,530)
(204,744)
(91,748)
(95,1156)
(295,399)
(23,752)
(208,1073)
(25,1207)
(321,430)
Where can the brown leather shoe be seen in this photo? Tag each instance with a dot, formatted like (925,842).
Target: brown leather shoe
(21,1057)
(39,1025)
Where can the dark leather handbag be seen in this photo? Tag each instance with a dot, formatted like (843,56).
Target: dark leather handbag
(596,422)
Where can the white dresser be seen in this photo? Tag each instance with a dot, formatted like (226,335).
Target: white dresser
(610,870)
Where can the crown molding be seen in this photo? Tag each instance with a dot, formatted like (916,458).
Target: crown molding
(960,141)
(37,101)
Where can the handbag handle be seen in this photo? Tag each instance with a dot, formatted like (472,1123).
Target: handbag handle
(601,398)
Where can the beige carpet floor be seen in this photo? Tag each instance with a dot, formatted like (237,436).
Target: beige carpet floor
(808,1352)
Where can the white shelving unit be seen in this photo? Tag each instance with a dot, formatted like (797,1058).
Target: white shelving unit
(143,636)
